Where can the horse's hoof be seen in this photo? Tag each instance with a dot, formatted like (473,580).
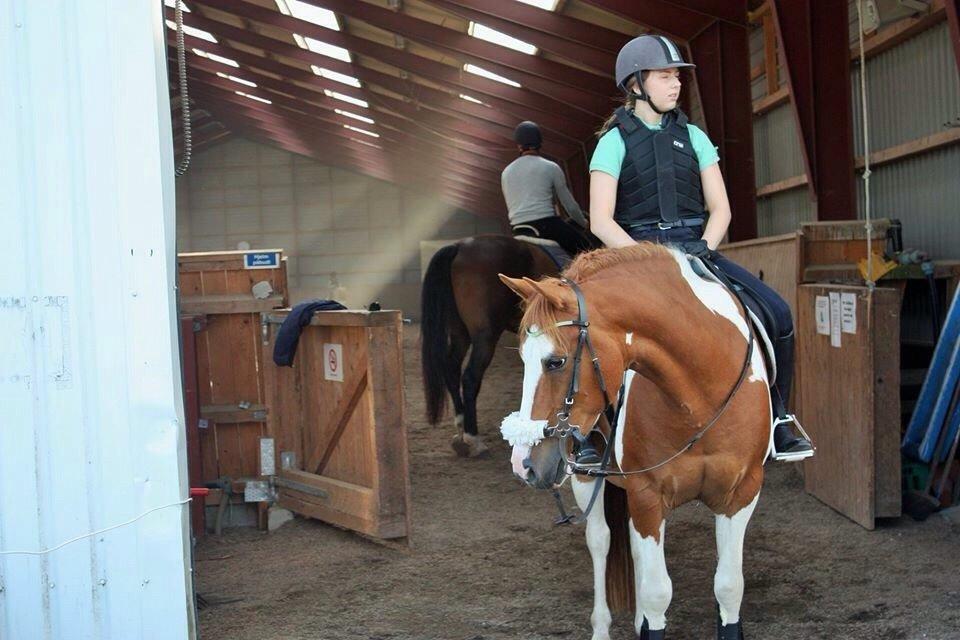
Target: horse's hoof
(729,631)
(468,446)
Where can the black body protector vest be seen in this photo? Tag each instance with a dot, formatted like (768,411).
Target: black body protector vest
(660,176)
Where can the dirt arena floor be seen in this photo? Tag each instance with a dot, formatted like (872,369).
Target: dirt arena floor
(487,562)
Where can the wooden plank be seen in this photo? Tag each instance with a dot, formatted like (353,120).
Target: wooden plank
(282,393)
(775,99)
(354,457)
(782,185)
(773,259)
(770,54)
(850,415)
(349,505)
(891,35)
(229,303)
(345,318)
(912,148)
(320,456)
(885,326)
(393,478)
(233,413)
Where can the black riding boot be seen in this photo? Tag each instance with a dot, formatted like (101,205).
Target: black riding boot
(784,438)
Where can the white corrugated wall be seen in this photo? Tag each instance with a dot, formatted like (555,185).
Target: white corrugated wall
(90,412)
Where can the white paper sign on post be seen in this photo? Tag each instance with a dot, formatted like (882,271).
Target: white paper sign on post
(835,319)
(823,315)
(333,362)
(848,312)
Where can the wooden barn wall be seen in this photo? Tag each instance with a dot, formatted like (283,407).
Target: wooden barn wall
(346,235)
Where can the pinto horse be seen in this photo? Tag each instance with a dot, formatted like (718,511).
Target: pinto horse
(694,423)
(464,307)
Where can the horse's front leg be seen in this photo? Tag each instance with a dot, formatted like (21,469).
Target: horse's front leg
(653,584)
(728,582)
(598,541)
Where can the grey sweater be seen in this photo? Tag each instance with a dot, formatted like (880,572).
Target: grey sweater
(530,183)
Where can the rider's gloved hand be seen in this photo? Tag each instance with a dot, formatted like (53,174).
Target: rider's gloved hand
(697,248)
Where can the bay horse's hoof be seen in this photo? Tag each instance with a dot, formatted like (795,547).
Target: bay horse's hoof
(468,446)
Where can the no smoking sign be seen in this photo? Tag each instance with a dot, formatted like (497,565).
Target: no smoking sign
(333,362)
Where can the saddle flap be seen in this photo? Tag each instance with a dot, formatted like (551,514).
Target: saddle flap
(553,250)
(755,315)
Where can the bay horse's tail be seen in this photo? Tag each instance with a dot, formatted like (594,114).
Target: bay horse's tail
(620,585)
(438,310)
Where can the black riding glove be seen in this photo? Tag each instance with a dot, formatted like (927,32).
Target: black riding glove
(697,248)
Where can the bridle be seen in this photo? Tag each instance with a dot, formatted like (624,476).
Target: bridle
(563,429)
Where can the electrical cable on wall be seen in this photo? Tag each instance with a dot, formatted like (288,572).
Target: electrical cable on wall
(184,163)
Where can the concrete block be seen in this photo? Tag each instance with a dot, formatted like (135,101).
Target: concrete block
(206,198)
(206,222)
(277,217)
(276,195)
(240,177)
(276,176)
(314,243)
(243,220)
(350,241)
(351,218)
(241,197)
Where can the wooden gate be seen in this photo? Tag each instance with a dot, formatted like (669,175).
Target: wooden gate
(337,420)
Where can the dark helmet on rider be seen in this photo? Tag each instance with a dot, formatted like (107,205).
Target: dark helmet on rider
(646,53)
(527,135)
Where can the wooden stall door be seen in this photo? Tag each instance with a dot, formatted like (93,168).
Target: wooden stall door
(337,418)
(850,386)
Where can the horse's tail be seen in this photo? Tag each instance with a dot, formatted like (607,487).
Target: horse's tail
(437,310)
(620,585)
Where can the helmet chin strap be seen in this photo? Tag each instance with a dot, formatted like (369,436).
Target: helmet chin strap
(642,95)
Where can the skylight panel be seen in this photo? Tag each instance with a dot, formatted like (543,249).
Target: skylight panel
(363,131)
(253,97)
(236,79)
(193,31)
(483,32)
(364,142)
(336,77)
(310,13)
(216,58)
(354,116)
(173,5)
(549,5)
(323,48)
(471,99)
(480,71)
(346,98)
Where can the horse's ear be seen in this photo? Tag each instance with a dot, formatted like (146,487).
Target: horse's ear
(554,291)
(519,286)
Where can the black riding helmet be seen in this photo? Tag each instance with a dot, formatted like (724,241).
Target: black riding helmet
(527,135)
(646,53)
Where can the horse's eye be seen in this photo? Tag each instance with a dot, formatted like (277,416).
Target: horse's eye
(553,363)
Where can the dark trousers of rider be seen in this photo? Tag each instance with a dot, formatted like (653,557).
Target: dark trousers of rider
(783,342)
(566,234)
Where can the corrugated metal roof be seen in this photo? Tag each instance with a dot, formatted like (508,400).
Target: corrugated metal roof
(91,434)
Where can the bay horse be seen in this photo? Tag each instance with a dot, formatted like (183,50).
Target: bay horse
(465,307)
(695,422)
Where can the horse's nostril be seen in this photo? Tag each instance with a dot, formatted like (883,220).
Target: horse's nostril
(527,463)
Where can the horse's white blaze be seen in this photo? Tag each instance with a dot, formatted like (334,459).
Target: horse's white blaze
(519,428)
(656,588)
(622,419)
(728,581)
(715,297)
(598,541)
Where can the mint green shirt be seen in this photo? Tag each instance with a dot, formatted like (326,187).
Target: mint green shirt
(611,150)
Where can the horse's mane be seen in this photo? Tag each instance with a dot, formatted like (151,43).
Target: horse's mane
(540,313)
(587,264)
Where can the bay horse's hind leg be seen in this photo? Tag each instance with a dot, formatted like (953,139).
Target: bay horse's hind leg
(453,372)
(481,353)
(598,541)
(728,582)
